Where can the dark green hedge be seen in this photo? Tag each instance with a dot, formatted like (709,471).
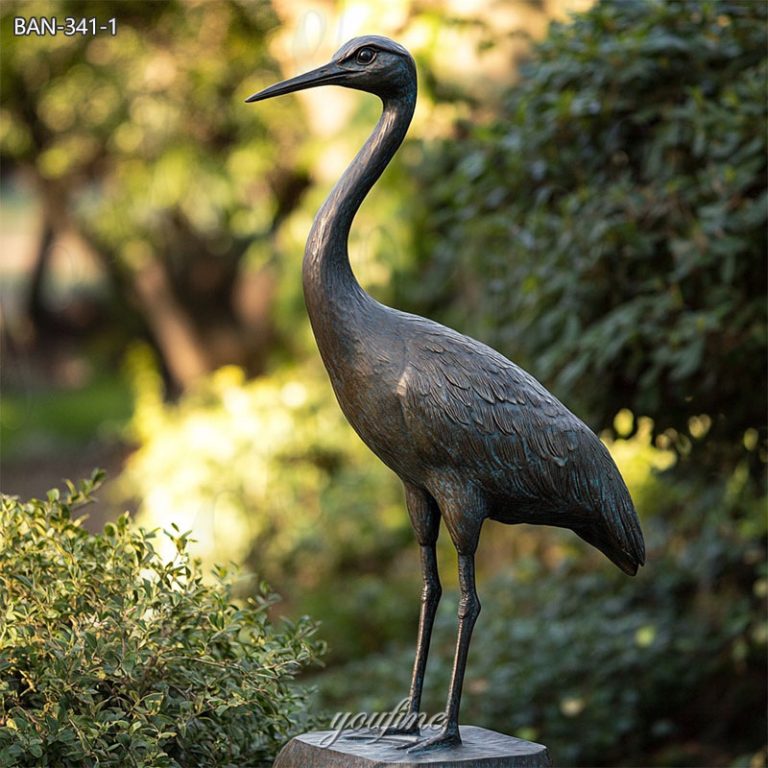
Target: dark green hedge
(612,216)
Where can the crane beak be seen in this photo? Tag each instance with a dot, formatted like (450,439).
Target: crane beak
(328,74)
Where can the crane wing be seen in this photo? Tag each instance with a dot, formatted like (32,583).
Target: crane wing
(462,398)
(465,389)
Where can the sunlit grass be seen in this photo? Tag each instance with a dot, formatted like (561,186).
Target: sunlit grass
(36,421)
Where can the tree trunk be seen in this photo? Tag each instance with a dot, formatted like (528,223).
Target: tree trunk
(175,335)
(54,219)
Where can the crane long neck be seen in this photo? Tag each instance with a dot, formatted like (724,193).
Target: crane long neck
(328,278)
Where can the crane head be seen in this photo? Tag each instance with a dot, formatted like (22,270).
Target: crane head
(370,63)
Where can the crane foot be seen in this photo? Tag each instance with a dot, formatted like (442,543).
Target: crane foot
(448,737)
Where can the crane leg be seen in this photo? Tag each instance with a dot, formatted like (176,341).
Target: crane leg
(469,609)
(430,597)
(425,518)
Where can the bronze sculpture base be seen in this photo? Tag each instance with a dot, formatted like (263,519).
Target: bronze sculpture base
(364,749)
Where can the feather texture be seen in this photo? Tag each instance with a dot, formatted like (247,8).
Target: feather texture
(467,406)
(471,434)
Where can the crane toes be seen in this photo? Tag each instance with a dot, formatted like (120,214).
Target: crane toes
(448,737)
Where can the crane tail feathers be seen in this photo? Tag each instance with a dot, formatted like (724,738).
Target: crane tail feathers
(618,536)
(617,533)
(628,562)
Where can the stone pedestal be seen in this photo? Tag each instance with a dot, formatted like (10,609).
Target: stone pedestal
(480,748)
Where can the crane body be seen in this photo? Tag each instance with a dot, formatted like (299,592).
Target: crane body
(471,435)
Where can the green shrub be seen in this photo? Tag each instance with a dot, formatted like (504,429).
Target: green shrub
(111,656)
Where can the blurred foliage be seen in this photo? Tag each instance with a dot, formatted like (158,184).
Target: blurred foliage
(31,422)
(269,475)
(141,141)
(607,227)
(192,200)
(111,655)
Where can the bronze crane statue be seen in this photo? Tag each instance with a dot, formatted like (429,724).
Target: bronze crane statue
(471,435)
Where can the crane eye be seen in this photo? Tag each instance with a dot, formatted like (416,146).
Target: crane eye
(365,56)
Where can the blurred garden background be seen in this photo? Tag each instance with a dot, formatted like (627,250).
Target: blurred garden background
(583,188)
